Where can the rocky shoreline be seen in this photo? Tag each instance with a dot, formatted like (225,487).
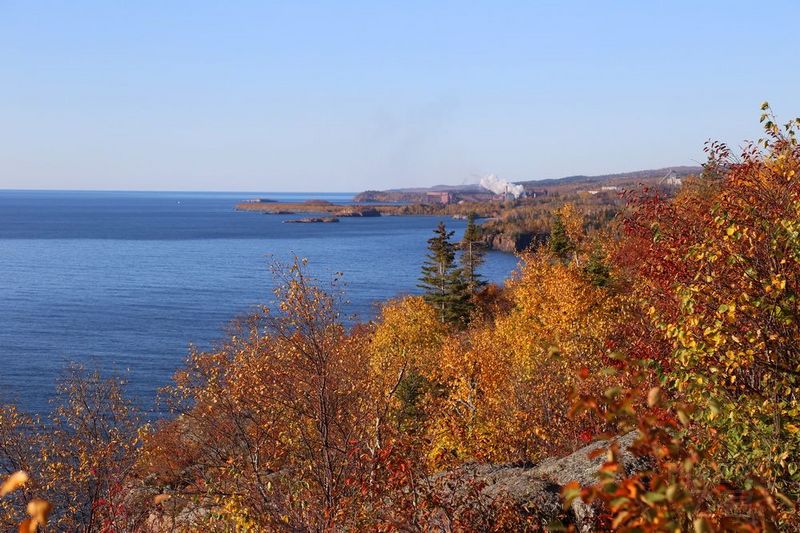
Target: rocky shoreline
(312,220)
(321,212)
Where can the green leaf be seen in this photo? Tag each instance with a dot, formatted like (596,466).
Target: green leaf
(654,497)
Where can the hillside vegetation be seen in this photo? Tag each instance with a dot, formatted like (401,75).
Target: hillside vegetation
(673,323)
(509,225)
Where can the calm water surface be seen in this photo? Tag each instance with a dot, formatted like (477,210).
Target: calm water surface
(125,281)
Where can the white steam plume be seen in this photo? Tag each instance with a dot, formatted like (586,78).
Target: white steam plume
(501,186)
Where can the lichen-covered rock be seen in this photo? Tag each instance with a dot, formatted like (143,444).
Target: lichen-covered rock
(579,467)
(536,491)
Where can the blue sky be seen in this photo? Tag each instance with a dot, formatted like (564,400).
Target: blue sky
(345,96)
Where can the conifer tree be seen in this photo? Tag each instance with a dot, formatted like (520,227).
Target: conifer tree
(459,301)
(597,270)
(560,243)
(443,282)
(472,250)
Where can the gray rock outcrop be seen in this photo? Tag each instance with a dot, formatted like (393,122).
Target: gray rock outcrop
(536,490)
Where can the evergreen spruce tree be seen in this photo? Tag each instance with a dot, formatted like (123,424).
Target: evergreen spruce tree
(411,392)
(597,270)
(472,250)
(437,270)
(460,299)
(560,243)
(443,282)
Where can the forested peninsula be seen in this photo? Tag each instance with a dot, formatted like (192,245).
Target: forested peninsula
(507,223)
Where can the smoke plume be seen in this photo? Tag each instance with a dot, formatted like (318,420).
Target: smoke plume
(501,186)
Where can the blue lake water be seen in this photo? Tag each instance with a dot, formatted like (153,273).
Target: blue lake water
(125,281)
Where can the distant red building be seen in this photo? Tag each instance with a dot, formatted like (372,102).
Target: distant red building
(440,197)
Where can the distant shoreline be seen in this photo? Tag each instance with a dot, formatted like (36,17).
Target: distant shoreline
(482,209)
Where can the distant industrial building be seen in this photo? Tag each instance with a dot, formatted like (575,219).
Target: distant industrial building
(440,197)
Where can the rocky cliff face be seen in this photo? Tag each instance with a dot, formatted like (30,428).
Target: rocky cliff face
(512,242)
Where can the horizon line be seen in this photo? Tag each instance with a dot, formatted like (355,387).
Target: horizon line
(391,188)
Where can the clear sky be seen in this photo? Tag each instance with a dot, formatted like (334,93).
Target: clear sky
(345,96)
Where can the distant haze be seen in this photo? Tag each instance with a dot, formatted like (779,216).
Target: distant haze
(347,96)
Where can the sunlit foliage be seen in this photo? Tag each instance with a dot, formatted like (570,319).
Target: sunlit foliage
(678,320)
(725,275)
(79,459)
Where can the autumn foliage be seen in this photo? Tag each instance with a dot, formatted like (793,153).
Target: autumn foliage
(677,320)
